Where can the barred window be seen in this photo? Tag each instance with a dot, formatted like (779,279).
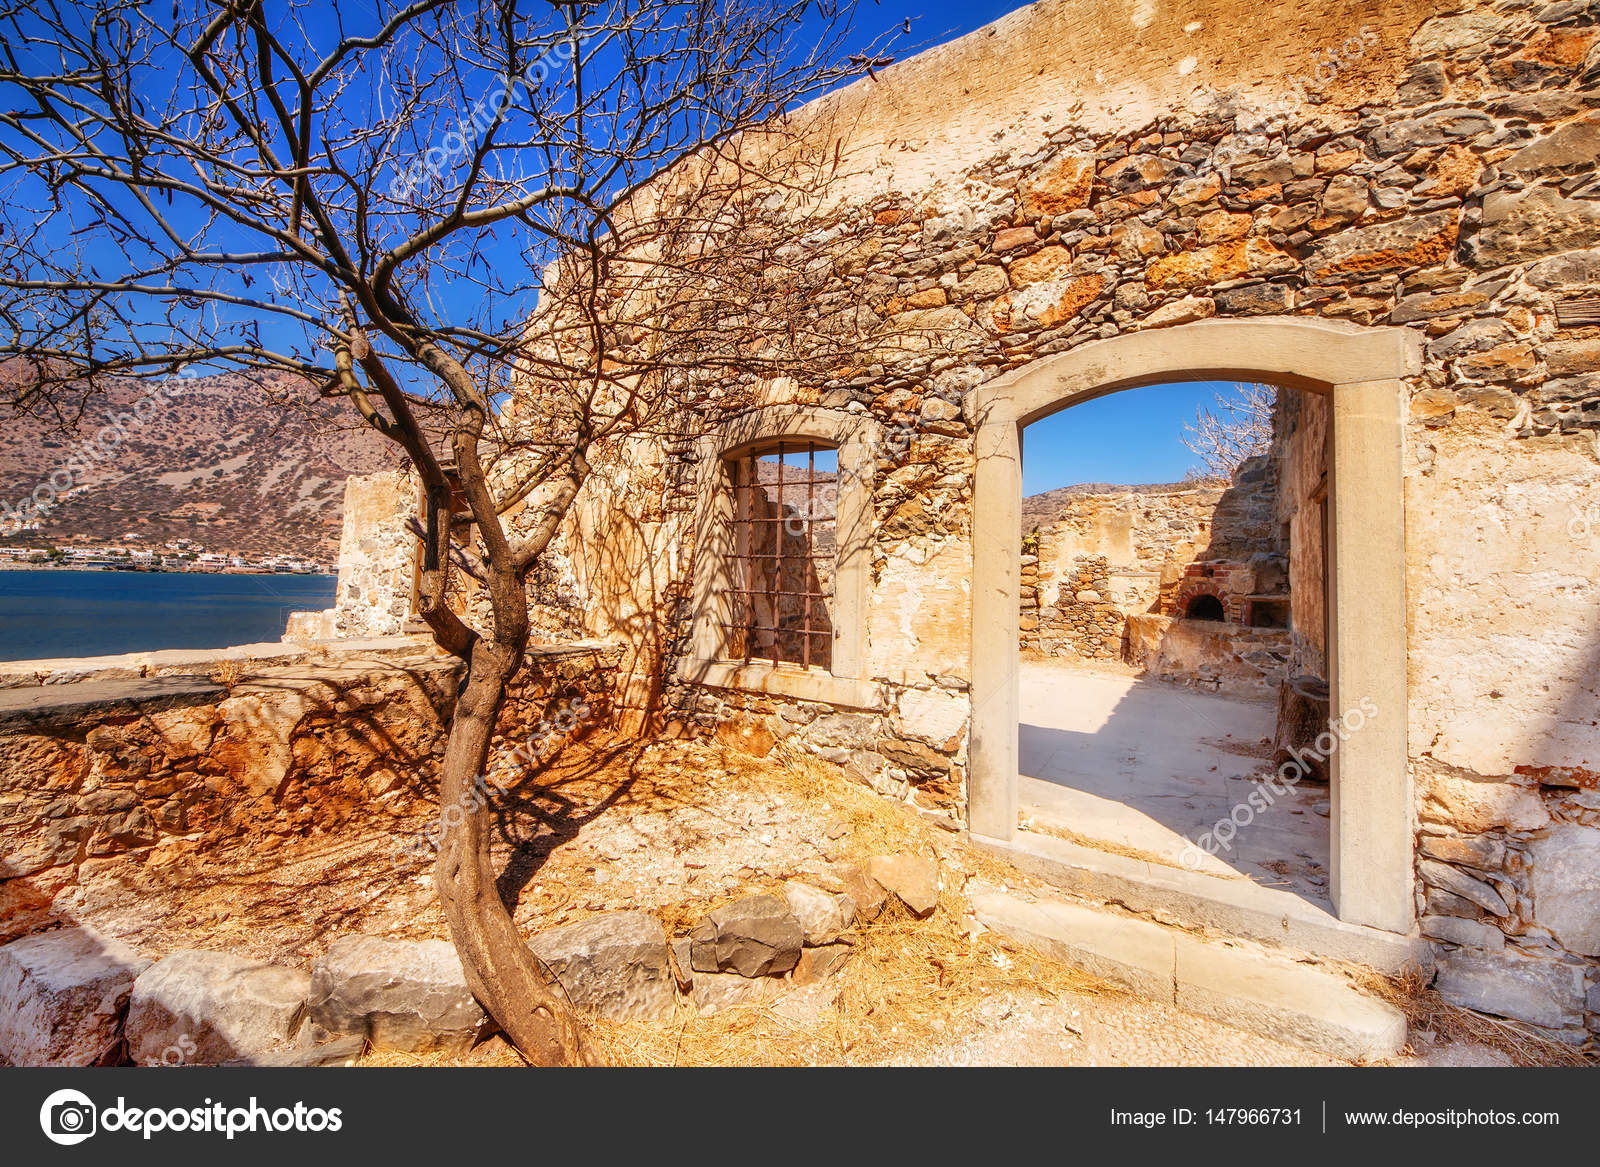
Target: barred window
(786,498)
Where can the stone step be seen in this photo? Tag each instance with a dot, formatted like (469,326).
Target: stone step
(1193,899)
(1249,989)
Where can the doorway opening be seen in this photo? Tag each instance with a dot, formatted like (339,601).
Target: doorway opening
(1364,374)
(1173,589)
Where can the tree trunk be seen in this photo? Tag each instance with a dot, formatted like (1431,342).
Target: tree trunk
(519,992)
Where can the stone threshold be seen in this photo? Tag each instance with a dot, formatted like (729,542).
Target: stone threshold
(1250,989)
(1208,903)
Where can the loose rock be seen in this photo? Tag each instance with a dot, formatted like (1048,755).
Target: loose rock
(823,917)
(615,965)
(911,879)
(818,964)
(205,1008)
(754,936)
(406,995)
(65,994)
(714,992)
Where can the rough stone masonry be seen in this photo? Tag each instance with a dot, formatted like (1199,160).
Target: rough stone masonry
(1079,172)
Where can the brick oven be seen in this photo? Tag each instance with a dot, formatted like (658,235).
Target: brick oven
(1253,593)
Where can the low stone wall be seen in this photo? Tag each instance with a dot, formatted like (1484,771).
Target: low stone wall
(912,748)
(119,764)
(236,660)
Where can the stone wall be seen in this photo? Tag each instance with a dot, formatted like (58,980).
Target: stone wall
(1080,171)
(1211,656)
(100,768)
(377,563)
(1511,890)
(1110,556)
(1083,622)
(1300,440)
(1439,181)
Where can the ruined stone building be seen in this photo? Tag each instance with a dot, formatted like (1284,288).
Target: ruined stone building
(1189,582)
(1386,210)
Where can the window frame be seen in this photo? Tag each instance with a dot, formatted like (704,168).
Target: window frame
(760,575)
(709,662)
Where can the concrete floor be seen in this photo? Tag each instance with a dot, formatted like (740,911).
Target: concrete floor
(1144,767)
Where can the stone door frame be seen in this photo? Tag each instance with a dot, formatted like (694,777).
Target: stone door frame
(1363,371)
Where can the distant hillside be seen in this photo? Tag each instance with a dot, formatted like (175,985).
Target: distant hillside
(1040,510)
(224,464)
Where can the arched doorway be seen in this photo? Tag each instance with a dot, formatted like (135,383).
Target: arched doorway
(1362,371)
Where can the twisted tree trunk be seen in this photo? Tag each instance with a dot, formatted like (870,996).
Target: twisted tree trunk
(519,992)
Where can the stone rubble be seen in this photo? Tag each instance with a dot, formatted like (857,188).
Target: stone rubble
(911,879)
(753,936)
(615,964)
(408,995)
(823,917)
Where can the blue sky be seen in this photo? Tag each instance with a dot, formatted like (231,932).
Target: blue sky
(932,21)
(1135,436)
(1130,437)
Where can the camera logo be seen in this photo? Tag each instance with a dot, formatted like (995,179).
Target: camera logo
(67,1117)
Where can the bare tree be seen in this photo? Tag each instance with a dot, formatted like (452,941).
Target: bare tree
(431,210)
(1239,428)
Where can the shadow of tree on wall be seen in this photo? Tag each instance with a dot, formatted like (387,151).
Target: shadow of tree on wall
(304,857)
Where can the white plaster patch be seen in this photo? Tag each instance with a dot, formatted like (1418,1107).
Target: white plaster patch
(1187,66)
(1144,11)
(919,612)
(1504,600)
(934,717)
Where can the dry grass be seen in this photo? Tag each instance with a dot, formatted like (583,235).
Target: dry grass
(907,985)
(1426,1010)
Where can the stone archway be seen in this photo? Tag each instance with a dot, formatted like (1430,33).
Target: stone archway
(1363,372)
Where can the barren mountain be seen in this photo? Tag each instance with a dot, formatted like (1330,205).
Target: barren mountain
(239,467)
